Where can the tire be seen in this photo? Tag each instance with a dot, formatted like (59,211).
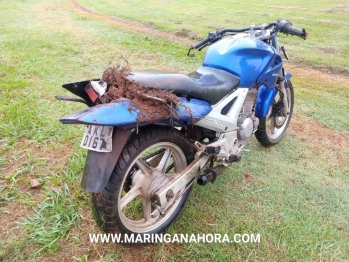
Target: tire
(164,148)
(264,133)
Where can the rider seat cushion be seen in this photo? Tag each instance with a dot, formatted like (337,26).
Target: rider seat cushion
(208,84)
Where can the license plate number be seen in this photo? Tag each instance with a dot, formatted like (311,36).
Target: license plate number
(98,138)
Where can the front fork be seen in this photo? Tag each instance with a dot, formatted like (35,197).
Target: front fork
(282,89)
(281,80)
(283,76)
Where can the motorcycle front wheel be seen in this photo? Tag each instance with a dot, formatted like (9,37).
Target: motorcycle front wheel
(148,159)
(273,126)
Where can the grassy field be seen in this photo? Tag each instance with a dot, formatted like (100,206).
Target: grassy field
(326,22)
(296,195)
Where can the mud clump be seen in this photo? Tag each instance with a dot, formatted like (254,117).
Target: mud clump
(153,104)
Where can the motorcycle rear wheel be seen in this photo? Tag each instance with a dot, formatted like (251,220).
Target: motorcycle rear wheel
(124,206)
(272,128)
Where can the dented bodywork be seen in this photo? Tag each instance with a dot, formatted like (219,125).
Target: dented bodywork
(124,114)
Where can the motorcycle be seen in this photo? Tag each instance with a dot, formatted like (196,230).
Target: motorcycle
(141,174)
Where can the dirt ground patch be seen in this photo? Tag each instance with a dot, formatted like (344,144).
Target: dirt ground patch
(10,233)
(319,70)
(328,50)
(132,26)
(28,153)
(320,138)
(319,134)
(342,80)
(26,161)
(14,211)
(188,34)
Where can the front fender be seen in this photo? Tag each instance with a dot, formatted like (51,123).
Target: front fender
(265,98)
(287,78)
(123,114)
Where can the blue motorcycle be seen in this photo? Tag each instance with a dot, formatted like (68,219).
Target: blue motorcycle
(141,173)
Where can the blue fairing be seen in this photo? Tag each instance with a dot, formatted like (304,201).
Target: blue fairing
(245,57)
(123,114)
(271,73)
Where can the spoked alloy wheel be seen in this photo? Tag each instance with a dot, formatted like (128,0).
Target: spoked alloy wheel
(272,128)
(147,162)
(136,210)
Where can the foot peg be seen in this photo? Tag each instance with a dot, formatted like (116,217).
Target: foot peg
(213,150)
(234,158)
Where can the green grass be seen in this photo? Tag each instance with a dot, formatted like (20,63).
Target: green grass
(52,220)
(297,193)
(294,214)
(322,101)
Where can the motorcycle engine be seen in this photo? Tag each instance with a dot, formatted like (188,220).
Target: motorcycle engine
(247,122)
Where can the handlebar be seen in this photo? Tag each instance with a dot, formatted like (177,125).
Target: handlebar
(231,30)
(201,43)
(287,28)
(282,26)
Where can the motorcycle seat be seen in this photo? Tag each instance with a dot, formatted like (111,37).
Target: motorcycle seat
(208,84)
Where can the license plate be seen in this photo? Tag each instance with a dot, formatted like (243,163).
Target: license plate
(98,138)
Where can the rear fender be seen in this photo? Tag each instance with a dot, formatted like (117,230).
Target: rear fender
(100,165)
(124,114)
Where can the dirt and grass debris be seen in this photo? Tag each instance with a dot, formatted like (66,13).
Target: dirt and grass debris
(153,103)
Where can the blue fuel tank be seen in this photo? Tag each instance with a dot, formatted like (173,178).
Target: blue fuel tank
(254,61)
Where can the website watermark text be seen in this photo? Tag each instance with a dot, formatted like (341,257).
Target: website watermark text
(176,238)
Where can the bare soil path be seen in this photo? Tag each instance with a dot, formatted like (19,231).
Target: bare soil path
(129,25)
